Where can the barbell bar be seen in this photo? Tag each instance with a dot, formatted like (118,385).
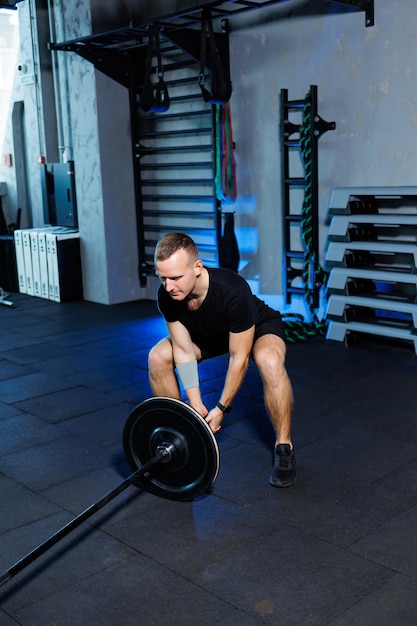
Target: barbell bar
(173,453)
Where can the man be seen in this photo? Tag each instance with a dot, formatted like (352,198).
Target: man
(211,312)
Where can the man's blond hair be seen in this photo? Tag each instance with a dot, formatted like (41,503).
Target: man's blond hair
(171,243)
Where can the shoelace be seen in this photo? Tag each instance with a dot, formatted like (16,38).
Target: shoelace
(283,460)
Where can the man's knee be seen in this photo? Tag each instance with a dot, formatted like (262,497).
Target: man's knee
(160,356)
(270,358)
(273,363)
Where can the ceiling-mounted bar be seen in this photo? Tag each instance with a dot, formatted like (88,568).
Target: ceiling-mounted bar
(115,62)
(186,20)
(363,5)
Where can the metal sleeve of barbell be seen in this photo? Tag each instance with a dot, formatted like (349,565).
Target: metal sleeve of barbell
(77,521)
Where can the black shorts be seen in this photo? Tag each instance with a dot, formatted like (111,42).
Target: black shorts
(273,325)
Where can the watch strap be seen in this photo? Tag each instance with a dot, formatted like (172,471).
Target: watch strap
(223,407)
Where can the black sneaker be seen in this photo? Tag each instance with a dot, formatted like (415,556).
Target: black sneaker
(284,473)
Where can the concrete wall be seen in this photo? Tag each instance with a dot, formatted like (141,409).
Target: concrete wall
(366,80)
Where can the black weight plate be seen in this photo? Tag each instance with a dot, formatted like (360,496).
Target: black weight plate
(195,462)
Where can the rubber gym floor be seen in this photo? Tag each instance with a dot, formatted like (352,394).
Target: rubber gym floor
(337,548)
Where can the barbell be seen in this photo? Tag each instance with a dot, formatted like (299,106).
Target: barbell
(173,454)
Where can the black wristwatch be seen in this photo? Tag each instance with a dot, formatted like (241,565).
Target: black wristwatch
(224,408)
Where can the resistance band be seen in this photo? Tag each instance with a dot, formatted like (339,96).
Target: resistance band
(225,175)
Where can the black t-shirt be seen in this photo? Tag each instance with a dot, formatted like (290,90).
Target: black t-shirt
(229,306)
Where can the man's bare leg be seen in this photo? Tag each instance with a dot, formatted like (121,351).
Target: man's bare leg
(269,355)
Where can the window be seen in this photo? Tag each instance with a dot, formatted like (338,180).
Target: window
(9,46)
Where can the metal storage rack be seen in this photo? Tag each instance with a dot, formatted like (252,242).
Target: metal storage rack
(372,258)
